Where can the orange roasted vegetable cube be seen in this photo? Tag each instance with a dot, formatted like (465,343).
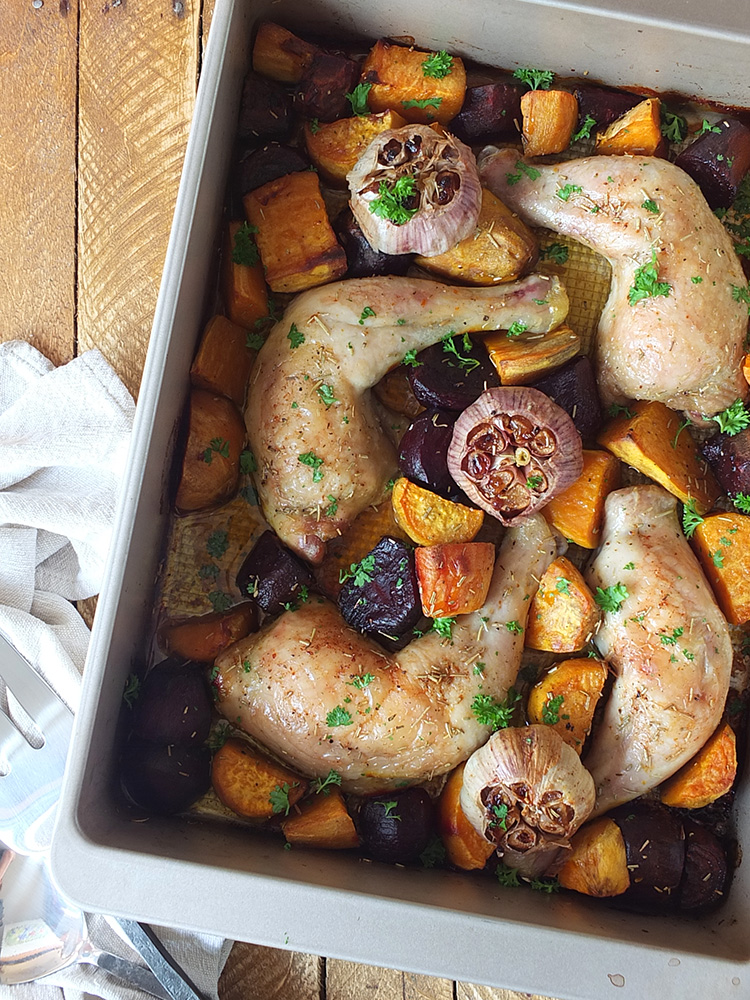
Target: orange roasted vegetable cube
(722,544)
(709,775)
(454,578)
(566,698)
(563,613)
(244,285)
(280,55)
(402,82)
(578,511)
(464,846)
(549,120)
(525,358)
(211,463)
(637,132)
(224,360)
(597,864)
(336,147)
(321,821)
(251,785)
(428,519)
(202,638)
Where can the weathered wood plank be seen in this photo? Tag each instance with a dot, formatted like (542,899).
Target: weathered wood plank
(138,70)
(470,991)
(37,164)
(256,973)
(353,981)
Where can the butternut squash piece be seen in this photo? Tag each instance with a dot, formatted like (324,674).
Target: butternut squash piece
(203,637)
(399,83)
(563,613)
(549,120)
(245,292)
(464,846)
(525,358)
(322,821)
(429,519)
(336,147)
(253,786)
(578,511)
(597,864)
(454,578)
(709,775)
(648,440)
(211,462)
(637,132)
(502,248)
(722,544)
(297,244)
(566,698)
(279,54)
(746,368)
(224,360)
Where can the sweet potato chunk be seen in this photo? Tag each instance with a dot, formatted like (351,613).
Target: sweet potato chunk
(597,864)
(211,463)
(400,83)
(454,578)
(429,519)
(709,775)
(549,120)
(566,698)
(251,785)
(322,821)
(722,544)
(648,440)
(501,248)
(394,391)
(563,612)
(464,846)
(280,54)
(525,358)
(578,511)
(245,292)
(637,132)
(224,360)
(297,245)
(202,638)
(335,148)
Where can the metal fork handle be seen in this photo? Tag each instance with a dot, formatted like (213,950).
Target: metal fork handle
(127,972)
(159,960)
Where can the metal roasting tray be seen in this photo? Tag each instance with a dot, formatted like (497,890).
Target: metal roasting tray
(228,881)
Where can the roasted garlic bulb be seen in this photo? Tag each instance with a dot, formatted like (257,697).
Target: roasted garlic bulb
(527,791)
(415,190)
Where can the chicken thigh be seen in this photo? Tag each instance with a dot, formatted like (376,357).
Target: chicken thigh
(667,642)
(681,344)
(321,696)
(321,452)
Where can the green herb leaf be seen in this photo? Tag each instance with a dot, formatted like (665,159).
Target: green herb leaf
(646,282)
(534,482)
(567,190)
(614,410)
(338,716)
(301,597)
(673,127)
(514,627)
(366,313)
(551,709)
(671,640)
(437,65)
(741,293)
(449,346)
(393,200)
(611,598)
(498,714)
(507,876)
(690,517)
(362,572)
(685,423)
(650,205)
(556,252)
(247,462)
(389,807)
(326,394)
(434,853)
(410,359)
(132,690)
(254,341)
(218,446)
(516,328)
(426,102)
(332,507)
(742,502)
(314,126)
(584,132)
(279,798)
(563,586)
(361,681)
(707,127)
(629,565)
(443,626)
(734,419)
(697,280)
(311,459)
(218,737)
(244,250)
(325,785)
(294,336)
(718,559)
(358,99)
(536,79)
(499,816)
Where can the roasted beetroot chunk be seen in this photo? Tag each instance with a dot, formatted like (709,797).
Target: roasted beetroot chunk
(362,261)
(396,827)
(488,111)
(706,871)
(604,106)
(513,450)
(450,375)
(381,597)
(323,88)
(718,160)
(573,387)
(265,110)
(173,704)
(273,575)
(164,779)
(423,452)
(266,164)
(729,458)
(655,851)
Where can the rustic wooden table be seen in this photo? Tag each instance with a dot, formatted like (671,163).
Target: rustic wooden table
(97,101)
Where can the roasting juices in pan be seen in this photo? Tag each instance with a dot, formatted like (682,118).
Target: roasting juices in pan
(476,553)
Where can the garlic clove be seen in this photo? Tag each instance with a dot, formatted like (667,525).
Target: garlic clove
(527,792)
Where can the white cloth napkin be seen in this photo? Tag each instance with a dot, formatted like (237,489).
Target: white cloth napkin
(64,435)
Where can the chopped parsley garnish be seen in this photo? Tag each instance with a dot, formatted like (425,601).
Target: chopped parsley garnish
(584,132)
(614,410)
(361,681)
(311,459)
(646,284)
(707,127)
(219,600)
(410,358)
(218,737)
(510,878)
(567,190)
(718,559)
(697,280)
(535,482)
(671,640)
(507,876)
(392,199)
(217,543)
(499,816)
(366,313)
(279,798)
(247,462)
(556,252)
(338,716)
(217,445)
(523,168)
(563,586)
(389,807)
(741,293)
(536,79)
(314,126)
(434,853)
(326,394)
(650,205)
(325,785)
(426,102)
(498,714)
(295,337)
(358,99)
(302,597)
(516,328)
(686,422)
(449,346)
(443,626)
(611,598)
(734,419)
(514,627)
(254,341)
(742,502)
(629,565)
(437,65)
(244,250)
(479,668)
(551,710)
(132,690)
(332,507)
(673,126)
(361,572)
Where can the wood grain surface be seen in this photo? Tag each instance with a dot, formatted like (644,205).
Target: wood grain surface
(96,105)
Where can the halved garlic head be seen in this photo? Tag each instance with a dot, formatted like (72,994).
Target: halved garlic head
(415,190)
(527,792)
